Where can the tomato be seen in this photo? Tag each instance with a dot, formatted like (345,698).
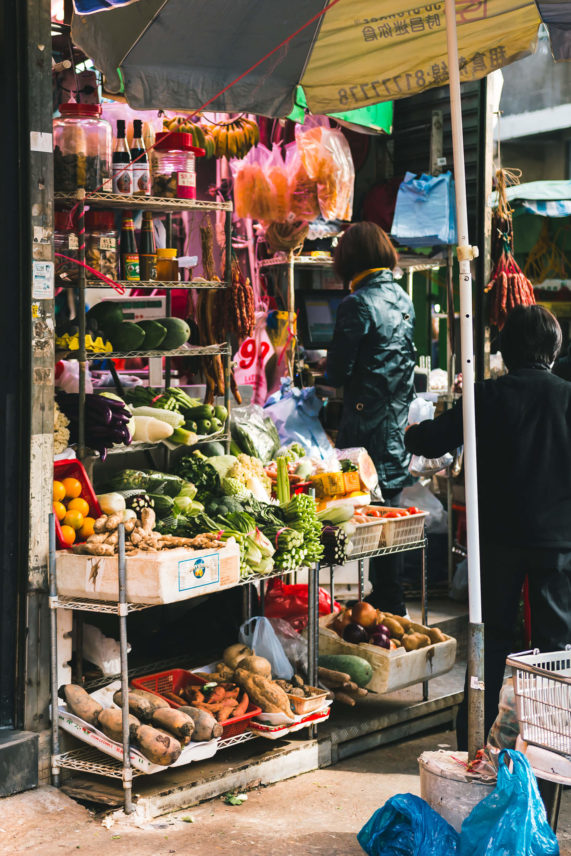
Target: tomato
(73,519)
(60,510)
(68,535)
(414,510)
(374,512)
(78,504)
(59,491)
(87,527)
(391,515)
(72,487)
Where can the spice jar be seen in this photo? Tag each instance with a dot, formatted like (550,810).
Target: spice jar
(174,172)
(82,148)
(101,241)
(167,265)
(66,242)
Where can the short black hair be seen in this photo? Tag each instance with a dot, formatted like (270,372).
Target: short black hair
(363,246)
(530,335)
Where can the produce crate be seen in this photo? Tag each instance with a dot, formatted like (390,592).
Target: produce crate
(174,680)
(366,538)
(400,530)
(305,706)
(75,470)
(392,669)
(153,578)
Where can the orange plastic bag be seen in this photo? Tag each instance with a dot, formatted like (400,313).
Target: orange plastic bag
(326,158)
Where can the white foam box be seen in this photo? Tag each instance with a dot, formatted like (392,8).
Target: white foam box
(396,669)
(152,578)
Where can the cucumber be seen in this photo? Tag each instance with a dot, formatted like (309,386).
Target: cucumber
(213,450)
(216,425)
(360,670)
(204,426)
(164,483)
(163,505)
(221,413)
(203,411)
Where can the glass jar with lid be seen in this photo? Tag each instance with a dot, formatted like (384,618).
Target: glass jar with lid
(82,149)
(167,265)
(101,243)
(174,165)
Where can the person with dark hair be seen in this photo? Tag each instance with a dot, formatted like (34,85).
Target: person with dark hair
(372,357)
(523,436)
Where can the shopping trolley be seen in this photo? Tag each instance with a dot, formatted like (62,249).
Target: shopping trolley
(542,687)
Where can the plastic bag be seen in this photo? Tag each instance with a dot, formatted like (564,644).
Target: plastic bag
(407,826)
(295,415)
(259,635)
(254,432)
(294,646)
(459,588)
(512,820)
(420,495)
(291,602)
(425,213)
(326,156)
(101,650)
(254,194)
(421,410)
(505,728)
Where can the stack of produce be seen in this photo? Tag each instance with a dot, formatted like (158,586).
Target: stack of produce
(61,431)
(190,418)
(108,421)
(365,624)
(105,319)
(168,494)
(73,512)
(223,701)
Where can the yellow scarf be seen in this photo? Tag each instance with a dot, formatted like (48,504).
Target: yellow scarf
(360,276)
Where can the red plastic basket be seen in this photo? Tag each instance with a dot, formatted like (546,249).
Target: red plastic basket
(174,680)
(75,470)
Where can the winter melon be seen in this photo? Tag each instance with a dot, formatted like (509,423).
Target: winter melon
(155,334)
(127,337)
(105,316)
(360,669)
(178,333)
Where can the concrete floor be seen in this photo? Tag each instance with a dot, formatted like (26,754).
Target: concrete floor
(315,814)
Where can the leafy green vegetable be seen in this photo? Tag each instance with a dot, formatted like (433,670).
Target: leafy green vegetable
(197,469)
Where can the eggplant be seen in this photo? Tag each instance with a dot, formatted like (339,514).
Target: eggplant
(355,633)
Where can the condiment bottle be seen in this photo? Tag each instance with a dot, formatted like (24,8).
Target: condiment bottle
(148,248)
(167,265)
(140,162)
(122,169)
(128,244)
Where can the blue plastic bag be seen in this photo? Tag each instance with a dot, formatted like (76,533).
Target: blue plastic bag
(295,414)
(512,820)
(425,212)
(407,826)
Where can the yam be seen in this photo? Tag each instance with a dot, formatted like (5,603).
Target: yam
(175,722)
(80,702)
(111,723)
(205,725)
(436,635)
(235,653)
(257,665)
(266,694)
(156,745)
(414,641)
(141,703)
(394,627)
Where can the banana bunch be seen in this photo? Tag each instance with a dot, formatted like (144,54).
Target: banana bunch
(201,137)
(234,139)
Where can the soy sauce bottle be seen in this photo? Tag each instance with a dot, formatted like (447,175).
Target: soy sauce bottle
(128,246)
(148,248)
(121,168)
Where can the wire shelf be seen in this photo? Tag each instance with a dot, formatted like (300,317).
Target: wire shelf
(152,447)
(386,551)
(281,260)
(150,283)
(245,737)
(109,607)
(145,203)
(90,760)
(187,351)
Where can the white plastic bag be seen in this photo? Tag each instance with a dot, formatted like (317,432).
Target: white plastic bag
(101,650)
(294,645)
(259,635)
(421,410)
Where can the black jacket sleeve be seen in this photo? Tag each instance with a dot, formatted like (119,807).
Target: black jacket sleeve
(351,325)
(434,437)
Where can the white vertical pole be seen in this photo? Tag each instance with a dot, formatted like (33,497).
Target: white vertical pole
(465,254)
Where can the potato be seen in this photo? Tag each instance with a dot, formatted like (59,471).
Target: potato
(80,702)
(111,723)
(141,703)
(394,627)
(175,722)
(156,745)
(414,641)
(436,635)
(205,726)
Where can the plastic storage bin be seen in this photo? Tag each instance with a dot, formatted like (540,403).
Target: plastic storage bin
(174,166)
(82,148)
(173,680)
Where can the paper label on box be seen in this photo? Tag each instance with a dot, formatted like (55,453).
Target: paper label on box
(199,572)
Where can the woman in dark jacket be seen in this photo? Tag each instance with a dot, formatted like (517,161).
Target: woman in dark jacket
(372,357)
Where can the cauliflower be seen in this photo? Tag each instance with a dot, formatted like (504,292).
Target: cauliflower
(233,487)
(61,431)
(253,468)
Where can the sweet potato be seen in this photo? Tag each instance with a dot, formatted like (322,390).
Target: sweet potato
(80,702)
(227,709)
(205,725)
(175,722)
(217,695)
(156,745)
(242,706)
(414,641)
(266,694)
(394,627)
(111,723)
(141,703)
(257,665)
(436,635)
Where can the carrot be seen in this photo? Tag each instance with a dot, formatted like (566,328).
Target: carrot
(217,695)
(242,706)
(226,711)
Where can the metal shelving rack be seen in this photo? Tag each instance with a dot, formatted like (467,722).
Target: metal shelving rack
(160,205)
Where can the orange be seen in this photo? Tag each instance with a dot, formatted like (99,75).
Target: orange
(80,505)
(87,527)
(68,535)
(59,491)
(73,519)
(59,510)
(72,487)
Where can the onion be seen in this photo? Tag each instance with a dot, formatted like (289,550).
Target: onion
(355,633)
(341,621)
(380,641)
(364,614)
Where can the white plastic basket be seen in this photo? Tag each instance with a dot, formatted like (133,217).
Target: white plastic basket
(398,531)
(542,685)
(366,538)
